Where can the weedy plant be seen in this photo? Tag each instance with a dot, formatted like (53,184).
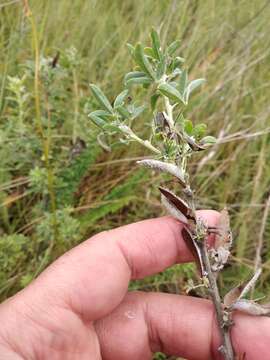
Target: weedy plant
(173,140)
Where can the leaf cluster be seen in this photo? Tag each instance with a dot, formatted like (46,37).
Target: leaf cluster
(162,72)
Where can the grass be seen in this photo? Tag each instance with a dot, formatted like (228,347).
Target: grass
(226,42)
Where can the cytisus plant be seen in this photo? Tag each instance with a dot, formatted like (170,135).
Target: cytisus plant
(174,139)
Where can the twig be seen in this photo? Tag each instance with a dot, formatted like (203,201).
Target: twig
(224,324)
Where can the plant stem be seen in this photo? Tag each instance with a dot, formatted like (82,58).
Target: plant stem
(76,105)
(126,130)
(224,326)
(169,110)
(45,140)
(223,319)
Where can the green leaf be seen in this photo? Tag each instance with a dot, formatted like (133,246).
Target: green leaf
(143,62)
(208,140)
(169,91)
(120,98)
(178,60)
(175,63)
(161,68)
(123,111)
(180,120)
(99,117)
(192,86)
(137,111)
(183,81)
(188,127)
(101,98)
(149,52)
(153,101)
(139,81)
(134,74)
(175,73)
(156,44)
(131,49)
(111,127)
(199,130)
(173,47)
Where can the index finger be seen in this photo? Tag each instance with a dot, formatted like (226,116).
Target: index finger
(93,277)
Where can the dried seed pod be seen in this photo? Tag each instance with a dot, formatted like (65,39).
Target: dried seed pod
(161,122)
(173,210)
(241,290)
(192,143)
(194,249)
(164,167)
(179,204)
(233,295)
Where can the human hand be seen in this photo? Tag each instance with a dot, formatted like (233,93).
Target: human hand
(79,308)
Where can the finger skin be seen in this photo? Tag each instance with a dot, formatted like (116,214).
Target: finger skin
(93,278)
(176,325)
(56,311)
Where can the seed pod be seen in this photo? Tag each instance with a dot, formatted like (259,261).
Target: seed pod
(241,290)
(232,296)
(193,248)
(173,210)
(192,143)
(179,204)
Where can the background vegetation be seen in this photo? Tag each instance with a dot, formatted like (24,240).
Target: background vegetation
(58,186)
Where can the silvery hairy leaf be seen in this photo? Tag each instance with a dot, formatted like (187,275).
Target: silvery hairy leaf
(192,86)
(143,62)
(251,307)
(101,98)
(120,99)
(170,92)
(164,167)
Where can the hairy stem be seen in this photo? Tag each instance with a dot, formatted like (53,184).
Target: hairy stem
(169,110)
(223,319)
(127,131)
(224,325)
